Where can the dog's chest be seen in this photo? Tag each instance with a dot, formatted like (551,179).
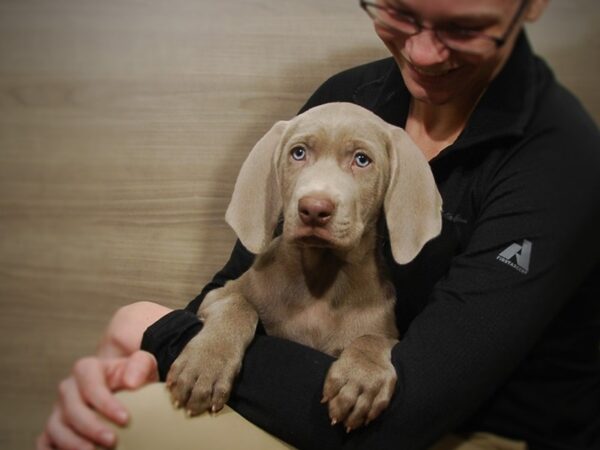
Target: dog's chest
(326,307)
(314,323)
(327,323)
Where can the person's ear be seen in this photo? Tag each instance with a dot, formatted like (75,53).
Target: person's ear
(535,10)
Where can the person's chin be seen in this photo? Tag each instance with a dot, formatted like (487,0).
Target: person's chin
(428,94)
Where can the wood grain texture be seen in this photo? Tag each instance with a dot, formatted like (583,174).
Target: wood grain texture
(122,127)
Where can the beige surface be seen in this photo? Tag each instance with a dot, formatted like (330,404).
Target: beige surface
(157,425)
(122,127)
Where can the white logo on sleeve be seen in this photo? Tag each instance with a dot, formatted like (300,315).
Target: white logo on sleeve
(517,256)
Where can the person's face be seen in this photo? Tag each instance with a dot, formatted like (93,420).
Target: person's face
(435,74)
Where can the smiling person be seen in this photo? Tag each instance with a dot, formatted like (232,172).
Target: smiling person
(498,316)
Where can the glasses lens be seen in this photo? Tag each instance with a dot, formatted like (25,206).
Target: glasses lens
(391,19)
(466,42)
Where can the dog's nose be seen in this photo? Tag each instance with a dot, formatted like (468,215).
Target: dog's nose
(315,211)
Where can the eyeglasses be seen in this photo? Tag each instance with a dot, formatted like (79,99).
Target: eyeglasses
(463,40)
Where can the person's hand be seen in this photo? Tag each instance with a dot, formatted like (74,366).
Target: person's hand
(74,422)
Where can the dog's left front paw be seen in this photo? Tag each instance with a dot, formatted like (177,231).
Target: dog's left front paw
(201,378)
(358,388)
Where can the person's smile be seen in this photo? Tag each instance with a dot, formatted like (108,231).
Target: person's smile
(429,73)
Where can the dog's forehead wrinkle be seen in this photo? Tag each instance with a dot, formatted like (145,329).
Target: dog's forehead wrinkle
(302,129)
(339,138)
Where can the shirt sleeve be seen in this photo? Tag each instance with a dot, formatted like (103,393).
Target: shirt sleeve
(167,337)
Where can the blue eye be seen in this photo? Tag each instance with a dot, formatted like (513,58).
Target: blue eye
(362,160)
(298,153)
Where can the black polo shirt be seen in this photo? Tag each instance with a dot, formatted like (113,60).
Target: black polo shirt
(499,315)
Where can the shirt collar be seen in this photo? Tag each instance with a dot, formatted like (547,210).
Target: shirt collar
(503,111)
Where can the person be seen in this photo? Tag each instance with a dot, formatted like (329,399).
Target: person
(499,315)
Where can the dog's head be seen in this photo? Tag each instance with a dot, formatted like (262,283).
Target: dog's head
(330,171)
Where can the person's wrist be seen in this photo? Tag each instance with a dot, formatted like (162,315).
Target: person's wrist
(167,337)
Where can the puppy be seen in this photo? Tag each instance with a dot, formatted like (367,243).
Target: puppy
(329,172)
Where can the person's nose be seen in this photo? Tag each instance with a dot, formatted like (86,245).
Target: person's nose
(424,49)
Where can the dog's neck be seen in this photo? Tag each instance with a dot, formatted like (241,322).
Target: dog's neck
(321,266)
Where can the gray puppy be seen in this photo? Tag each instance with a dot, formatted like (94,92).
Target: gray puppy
(329,171)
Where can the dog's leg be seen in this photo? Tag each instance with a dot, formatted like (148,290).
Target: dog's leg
(202,376)
(360,384)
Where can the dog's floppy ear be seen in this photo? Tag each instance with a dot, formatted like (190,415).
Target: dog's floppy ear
(412,204)
(256,201)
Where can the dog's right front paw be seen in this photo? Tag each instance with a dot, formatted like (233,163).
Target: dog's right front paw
(201,377)
(361,383)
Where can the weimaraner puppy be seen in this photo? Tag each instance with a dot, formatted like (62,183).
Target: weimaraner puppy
(329,172)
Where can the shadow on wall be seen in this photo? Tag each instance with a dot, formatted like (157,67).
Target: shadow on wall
(568,38)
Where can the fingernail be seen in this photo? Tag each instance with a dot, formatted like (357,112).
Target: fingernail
(107,438)
(188,413)
(333,422)
(176,404)
(213,409)
(133,378)
(122,416)
(348,430)
(324,399)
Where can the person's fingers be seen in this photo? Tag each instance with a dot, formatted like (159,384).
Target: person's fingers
(91,376)
(74,422)
(78,416)
(140,368)
(59,435)
(43,442)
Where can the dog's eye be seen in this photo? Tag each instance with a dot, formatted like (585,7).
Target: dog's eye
(362,160)
(298,153)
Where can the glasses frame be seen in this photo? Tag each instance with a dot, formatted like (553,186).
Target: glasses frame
(419,26)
